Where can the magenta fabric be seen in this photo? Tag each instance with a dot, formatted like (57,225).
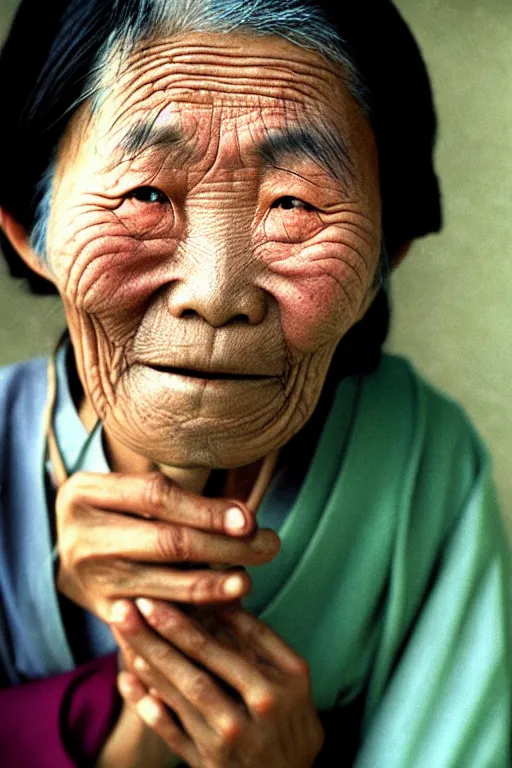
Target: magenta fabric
(60,722)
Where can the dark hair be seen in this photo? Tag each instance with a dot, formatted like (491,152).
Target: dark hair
(63,39)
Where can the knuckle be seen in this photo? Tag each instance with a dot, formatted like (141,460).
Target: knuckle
(157,492)
(173,543)
(199,689)
(302,670)
(66,498)
(160,655)
(257,634)
(113,575)
(203,588)
(229,729)
(197,643)
(263,702)
(74,549)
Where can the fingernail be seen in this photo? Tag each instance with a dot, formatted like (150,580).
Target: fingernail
(145,606)
(119,612)
(140,664)
(234,519)
(149,710)
(125,684)
(233,586)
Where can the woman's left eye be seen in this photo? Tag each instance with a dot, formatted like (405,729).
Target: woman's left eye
(289,203)
(148,195)
(291,220)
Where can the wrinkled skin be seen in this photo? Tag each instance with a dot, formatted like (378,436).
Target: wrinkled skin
(206,286)
(197,253)
(258,711)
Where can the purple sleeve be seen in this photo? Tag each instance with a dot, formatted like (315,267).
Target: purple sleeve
(62,721)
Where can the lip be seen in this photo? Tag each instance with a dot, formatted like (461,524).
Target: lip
(202,375)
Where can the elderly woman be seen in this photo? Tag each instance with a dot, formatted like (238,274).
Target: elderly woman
(288,542)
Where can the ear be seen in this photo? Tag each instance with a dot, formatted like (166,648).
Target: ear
(20,241)
(401,254)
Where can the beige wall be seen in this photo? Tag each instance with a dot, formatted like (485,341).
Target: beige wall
(453,296)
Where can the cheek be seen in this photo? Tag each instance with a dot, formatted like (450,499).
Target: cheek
(105,271)
(311,313)
(320,290)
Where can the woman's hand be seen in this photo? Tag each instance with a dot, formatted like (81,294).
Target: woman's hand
(119,536)
(239,698)
(133,744)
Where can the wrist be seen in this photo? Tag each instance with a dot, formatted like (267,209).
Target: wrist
(132,744)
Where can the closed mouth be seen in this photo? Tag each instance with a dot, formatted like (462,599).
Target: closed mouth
(209,375)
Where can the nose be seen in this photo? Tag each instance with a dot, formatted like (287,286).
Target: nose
(218,292)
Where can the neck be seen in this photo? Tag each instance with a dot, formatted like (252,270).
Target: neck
(238,484)
(123,459)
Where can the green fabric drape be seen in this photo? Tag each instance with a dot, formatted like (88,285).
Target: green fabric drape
(393,577)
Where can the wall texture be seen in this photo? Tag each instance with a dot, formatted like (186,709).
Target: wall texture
(453,295)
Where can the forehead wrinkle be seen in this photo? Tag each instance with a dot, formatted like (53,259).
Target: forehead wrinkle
(177,63)
(323,146)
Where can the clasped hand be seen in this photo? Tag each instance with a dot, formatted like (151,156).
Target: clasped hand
(215,683)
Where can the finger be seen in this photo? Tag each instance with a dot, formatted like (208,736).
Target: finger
(124,614)
(112,535)
(153,495)
(192,721)
(154,714)
(130,688)
(197,587)
(220,712)
(255,634)
(228,664)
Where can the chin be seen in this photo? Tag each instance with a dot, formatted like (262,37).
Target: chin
(214,443)
(212,448)
(187,423)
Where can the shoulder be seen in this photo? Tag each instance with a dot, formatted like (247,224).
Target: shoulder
(424,446)
(446,622)
(21,374)
(21,381)
(22,398)
(430,416)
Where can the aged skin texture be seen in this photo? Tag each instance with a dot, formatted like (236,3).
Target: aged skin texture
(215,231)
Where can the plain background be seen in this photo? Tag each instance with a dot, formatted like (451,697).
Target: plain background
(452,297)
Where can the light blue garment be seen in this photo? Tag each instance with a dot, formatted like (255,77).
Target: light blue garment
(35,644)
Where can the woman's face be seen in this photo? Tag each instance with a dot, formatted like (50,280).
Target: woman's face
(214,232)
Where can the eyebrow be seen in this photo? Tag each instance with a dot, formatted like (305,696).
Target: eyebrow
(322,145)
(145,134)
(319,144)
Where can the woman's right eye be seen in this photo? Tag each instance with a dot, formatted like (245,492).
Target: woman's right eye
(148,195)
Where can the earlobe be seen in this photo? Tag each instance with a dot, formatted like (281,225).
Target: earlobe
(20,241)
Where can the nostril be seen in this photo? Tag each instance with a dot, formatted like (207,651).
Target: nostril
(239,320)
(189,313)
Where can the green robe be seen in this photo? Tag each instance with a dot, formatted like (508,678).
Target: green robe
(393,577)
